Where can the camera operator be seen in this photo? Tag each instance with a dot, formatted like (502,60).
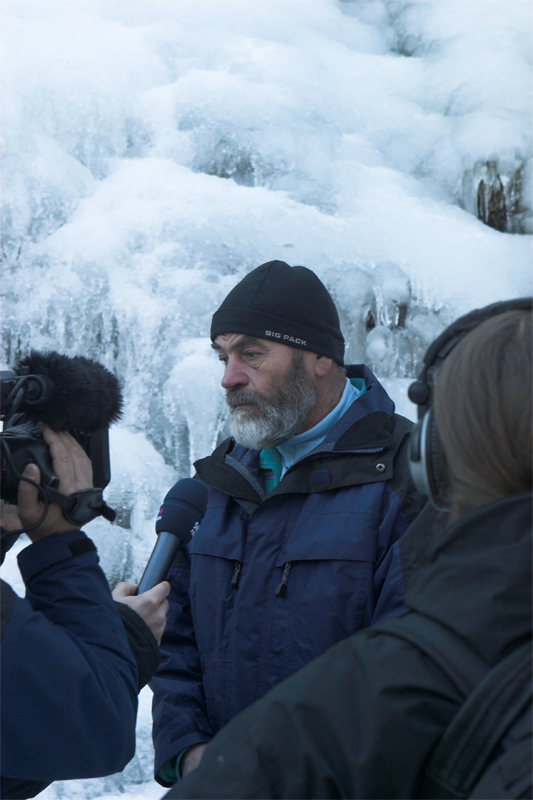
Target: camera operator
(69,678)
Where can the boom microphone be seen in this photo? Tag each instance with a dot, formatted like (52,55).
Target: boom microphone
(72,393)
(183,508)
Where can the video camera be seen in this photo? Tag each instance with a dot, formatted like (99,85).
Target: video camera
(72,394)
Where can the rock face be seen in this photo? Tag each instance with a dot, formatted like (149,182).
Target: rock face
(500,195)
(468,58)
(491,205)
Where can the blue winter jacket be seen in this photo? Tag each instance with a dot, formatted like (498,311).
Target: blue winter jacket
(68,679)
(269,583)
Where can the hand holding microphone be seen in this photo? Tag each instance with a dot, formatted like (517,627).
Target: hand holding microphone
(183,508)
(152,605)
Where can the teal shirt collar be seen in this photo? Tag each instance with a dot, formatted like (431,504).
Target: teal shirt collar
(279,459)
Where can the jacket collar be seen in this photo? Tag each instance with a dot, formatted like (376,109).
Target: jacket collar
(365,425)
(357,428)
(365,429)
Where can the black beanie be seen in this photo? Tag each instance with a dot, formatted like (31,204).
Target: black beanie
(290,305)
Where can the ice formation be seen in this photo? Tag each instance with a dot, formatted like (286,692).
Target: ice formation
(154,152)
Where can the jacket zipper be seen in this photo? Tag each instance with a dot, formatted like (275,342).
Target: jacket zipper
(281,591)
(235,579)
(242,470)
(245,472)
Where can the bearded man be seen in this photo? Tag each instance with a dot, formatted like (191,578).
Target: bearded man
(298,548)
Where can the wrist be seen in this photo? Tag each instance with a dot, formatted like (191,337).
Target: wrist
(43,532)
(191,758)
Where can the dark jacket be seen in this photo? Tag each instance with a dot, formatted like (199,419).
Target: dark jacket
(275,581)
(68,679)
(361,721)
(142,642)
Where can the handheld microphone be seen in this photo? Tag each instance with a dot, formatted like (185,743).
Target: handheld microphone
(183,508)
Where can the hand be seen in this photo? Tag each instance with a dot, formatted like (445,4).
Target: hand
(74,470)
(192,758)
(152,605)
(9,517)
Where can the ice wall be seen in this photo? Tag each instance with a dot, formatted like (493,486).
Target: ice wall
(154,152)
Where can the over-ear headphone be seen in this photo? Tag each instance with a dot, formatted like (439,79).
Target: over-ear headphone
(426,457)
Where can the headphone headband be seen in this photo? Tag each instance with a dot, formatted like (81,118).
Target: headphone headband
(444,344)
(421,390)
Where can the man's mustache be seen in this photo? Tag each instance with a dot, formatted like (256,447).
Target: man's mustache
(239,397)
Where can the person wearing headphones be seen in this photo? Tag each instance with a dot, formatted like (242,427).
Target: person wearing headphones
(437,702)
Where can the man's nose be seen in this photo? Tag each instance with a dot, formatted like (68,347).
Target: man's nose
(234,375)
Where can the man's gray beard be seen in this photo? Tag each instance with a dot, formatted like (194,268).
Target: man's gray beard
(273,422)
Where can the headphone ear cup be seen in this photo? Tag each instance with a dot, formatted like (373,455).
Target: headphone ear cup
(436,468)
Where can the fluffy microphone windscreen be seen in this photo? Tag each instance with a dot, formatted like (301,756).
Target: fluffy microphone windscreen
(85,395)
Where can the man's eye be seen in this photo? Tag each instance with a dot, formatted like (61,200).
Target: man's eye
(251,354)
(224,359)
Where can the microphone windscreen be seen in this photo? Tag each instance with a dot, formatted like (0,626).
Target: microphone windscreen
(184,505)
(85,395)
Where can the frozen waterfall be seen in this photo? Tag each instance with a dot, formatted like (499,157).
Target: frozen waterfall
(154,152)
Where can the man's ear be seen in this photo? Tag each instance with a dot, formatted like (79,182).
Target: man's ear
(322,365)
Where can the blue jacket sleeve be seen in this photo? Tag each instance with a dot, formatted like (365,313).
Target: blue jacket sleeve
(402,503)
(389,587)
(179,709)
(69,680)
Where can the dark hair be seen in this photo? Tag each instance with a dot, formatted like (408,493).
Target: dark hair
(483,411)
